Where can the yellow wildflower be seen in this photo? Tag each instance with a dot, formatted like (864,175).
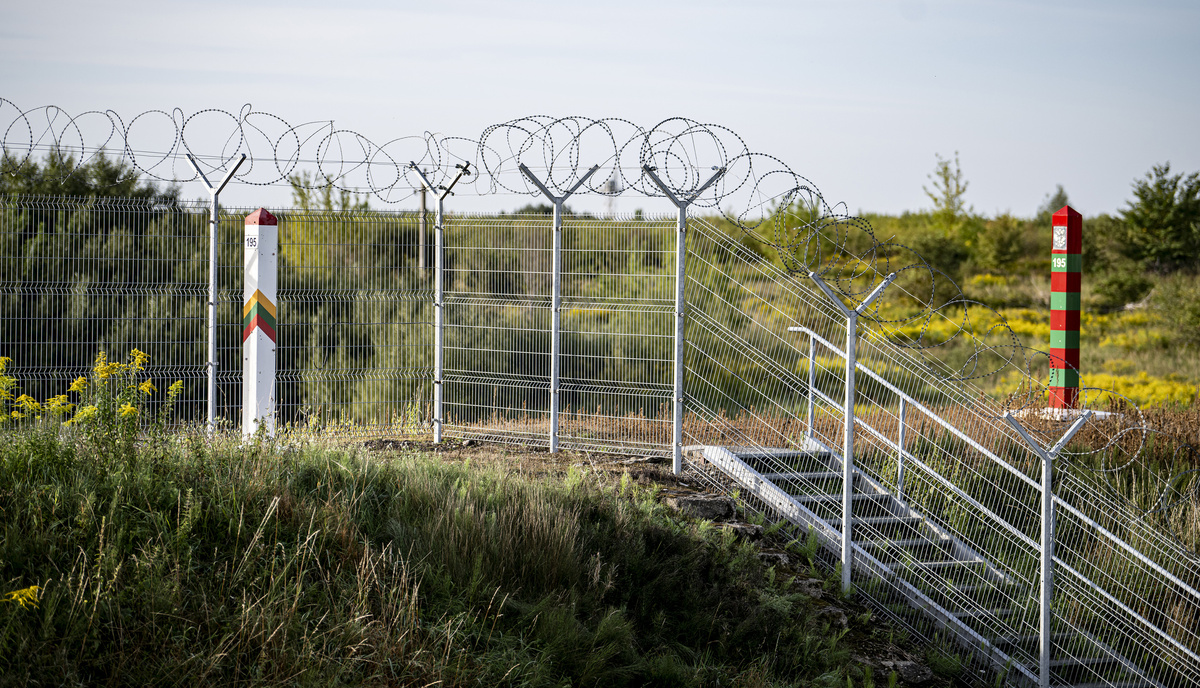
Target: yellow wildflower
(83,415)
(127,409)
(147,387)
(79,385)
(29,404)
(26,598)
(102,369)
(7,383)
(59,405)
(175,388)
(139,359)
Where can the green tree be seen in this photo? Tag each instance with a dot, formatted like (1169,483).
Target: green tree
(949,187)
(60,175)
(1052,204)
(1178,299)
(1162,223)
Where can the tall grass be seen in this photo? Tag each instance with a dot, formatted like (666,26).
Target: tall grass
(200,562)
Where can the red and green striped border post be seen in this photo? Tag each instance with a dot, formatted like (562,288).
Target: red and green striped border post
(259,322)
(1066,262)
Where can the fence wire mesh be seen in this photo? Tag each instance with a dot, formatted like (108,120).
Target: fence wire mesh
(80,276)
(355,321)
(946,513)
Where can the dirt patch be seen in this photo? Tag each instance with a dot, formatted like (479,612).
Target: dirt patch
(537,460)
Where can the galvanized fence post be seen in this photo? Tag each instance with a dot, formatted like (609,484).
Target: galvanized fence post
(1046,589)
(680,307)
(848,416)
(439,320)
(677,361)
(214,193)
(259,322)
(556,295)
(812,374)
(900,449)
(555,323)
(848,451)
(439,294)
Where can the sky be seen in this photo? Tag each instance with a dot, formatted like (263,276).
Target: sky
(858,96)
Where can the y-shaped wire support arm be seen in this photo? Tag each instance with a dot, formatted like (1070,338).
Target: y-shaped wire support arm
(680,304)
(214,192)
(556,297)
(439,293)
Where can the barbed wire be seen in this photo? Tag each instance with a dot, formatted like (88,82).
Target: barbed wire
(155,145)
(751,190)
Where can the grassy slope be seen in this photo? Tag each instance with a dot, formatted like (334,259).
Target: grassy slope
(188,563)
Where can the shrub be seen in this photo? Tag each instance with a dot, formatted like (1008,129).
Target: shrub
(1163,220)
(940,251)
(1178,299)
(1119,287)
(1001,243)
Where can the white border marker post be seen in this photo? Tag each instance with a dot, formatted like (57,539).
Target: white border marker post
(259,322)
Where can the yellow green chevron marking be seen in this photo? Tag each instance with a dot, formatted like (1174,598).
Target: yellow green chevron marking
(258,313)
(257,299)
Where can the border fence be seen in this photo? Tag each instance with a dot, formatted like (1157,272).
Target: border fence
(936,510)
(355,324)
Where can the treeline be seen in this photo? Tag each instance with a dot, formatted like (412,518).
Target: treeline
(1147,255)
(1154,241)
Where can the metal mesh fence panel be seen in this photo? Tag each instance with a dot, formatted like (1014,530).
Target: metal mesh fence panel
(355,305)
(618,334)
(497,345)
(83,275)
(615,332)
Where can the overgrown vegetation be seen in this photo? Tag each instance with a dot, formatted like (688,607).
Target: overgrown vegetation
(182,560)
(1141,295)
